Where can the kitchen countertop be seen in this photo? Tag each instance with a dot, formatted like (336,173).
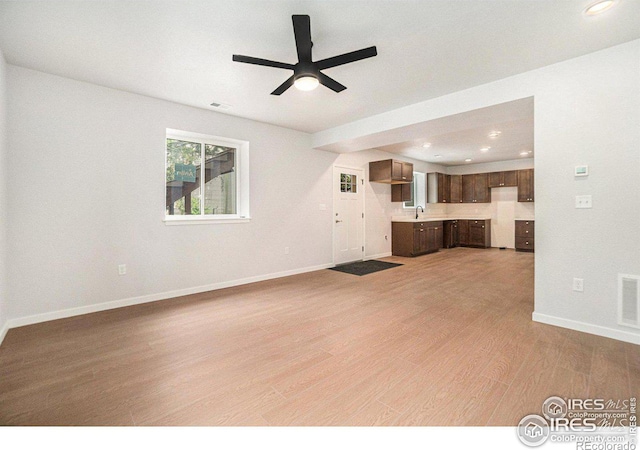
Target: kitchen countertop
(434,219)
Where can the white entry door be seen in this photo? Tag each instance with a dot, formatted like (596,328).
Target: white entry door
(348,215)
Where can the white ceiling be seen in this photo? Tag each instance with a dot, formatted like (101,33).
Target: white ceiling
(453,139)
(181,50)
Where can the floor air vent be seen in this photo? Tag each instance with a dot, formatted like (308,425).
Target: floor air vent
(629,300)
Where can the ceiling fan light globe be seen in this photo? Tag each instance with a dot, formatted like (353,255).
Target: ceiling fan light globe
(306,83)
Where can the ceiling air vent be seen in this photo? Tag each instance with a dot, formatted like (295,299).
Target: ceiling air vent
(629,300)
(220,105)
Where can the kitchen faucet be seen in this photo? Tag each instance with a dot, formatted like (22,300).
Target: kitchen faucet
(417,210)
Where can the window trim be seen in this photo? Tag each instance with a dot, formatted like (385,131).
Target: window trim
(414,192)
(242,179)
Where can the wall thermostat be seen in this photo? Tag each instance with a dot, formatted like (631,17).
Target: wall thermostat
(582,171)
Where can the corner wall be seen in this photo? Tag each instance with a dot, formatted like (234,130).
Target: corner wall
(3,198)
(87,194)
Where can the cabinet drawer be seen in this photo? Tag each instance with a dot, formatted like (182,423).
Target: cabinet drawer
(523,243)
(525,228)
(427,225)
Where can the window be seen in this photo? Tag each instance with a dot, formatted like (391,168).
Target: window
(205,178)
(348,183)
(418,190)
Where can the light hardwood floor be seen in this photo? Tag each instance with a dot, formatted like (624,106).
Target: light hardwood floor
(445,339)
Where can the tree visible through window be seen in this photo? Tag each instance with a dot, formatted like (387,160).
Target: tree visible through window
(194,188)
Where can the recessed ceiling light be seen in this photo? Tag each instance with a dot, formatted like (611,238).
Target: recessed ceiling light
(495,134)
(599,7)
(530,151)
(485,149)
(467,160)
(524,153)
(426,144)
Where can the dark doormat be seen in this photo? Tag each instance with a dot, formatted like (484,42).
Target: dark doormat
(365,267)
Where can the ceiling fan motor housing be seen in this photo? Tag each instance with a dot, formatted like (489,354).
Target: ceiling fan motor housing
(305,69)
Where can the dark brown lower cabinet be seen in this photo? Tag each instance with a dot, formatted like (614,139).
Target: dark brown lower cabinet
(525,236)
(415,238)
(450,234)
(474,233)
(463,233)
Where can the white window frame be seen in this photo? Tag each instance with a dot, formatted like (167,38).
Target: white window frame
(414,191)
(242,179)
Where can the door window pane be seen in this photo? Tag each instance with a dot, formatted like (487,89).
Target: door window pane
(348,183)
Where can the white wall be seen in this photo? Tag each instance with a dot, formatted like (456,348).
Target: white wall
(3,197)
(587,111)
(87,194)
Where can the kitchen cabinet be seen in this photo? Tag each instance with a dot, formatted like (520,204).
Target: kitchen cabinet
(475,188)
(463,233)
(525,185)
(400,192)
(391,171)
(438,187)
(455,188)
(415,238)
(434,236)
(503,179)
(525,235)
(450,234)
(474,233)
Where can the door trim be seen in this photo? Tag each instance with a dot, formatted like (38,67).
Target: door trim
(333,212)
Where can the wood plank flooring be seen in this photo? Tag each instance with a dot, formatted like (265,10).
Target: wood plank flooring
(445,339)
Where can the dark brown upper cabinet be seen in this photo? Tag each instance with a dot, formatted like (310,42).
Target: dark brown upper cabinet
(502,179)
(475,188)
(391,171)
(401,192)
(438,187)
(455,188)
(525,185)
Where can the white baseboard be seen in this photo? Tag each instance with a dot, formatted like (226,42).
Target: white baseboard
(620,335)
(64,313)
(3,331)
(379,255)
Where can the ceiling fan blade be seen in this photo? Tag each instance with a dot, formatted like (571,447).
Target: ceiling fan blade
(347,58)
(262,62)
(302,31)
(284,86)
(330,83)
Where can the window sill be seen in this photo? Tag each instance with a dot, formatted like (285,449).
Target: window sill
(196,220)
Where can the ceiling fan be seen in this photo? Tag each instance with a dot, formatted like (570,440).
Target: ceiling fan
(306,73)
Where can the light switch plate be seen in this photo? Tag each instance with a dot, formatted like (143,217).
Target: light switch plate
(583,201)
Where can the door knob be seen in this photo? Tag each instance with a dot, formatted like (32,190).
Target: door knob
(338,221)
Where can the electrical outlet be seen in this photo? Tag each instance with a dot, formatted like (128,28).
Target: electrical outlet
(578,284)
(583,201)
(122,269)
(286,250)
